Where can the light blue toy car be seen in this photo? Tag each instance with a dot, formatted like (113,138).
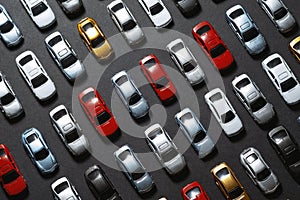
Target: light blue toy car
(38,151)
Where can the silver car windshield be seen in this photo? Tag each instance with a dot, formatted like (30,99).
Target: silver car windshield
(157,8)
(288,84)
(169,155)
(42,154)
(130,24)
(280,13)
(258,104)
(68,61)
(250,34)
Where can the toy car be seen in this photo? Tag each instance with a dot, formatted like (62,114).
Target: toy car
(282,78)
(68,130)
(97,111)
(223,112)
(9,31)
(64,56)
(185,61)
(133,169)
(158,78)
(215,48)
(38,151)
(194,191)
(294,47)
(195,132)
(35,76)
(253,99)
(245,29)
(11,178)
(125,22)
(99,184)
(9,102)
(157,12)
(228,183)
(279,14)
(164,149)
(94,38)
(258,170)
(286,148)
(40,13)
(130,95)
(62,189)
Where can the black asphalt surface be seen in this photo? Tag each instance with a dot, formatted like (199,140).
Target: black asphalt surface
(198,170)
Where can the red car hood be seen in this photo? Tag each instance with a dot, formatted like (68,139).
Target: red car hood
(15,187)
(108,128)
(223,61)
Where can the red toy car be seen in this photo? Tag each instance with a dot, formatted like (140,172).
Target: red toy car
(157,77)
(194,191)
(98,112)
(207,37)
(10,176)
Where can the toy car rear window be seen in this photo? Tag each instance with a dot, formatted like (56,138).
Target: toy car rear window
(117,7)
(222,173)
(25,60)
(55,40)
(88,96)
(59,114)
(242,83)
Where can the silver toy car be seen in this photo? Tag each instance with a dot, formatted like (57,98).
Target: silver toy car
(70,6)
(245,29)
(125,21)
(9,31)
(185,61)
(252,99)
(35,76)
(258,170)
(164,149)
(62,189)
(133,169)
(195,132)
(130,95)
(9,103)
(279,14)
(282,78)
(68,130)
(64,55)
(223,112)
(38,151)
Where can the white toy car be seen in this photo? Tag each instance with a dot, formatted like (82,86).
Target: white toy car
(9,103)
(157,12)
(253,99)
(164,149)
(68,130)
(282,78)
(185,61)
(40,12)
(195,132)
(125,22)
(223,112)
(62,189)
(9,31)
(64,56)
(35,76)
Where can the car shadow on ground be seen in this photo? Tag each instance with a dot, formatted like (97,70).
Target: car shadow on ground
(238,137)
(210,156)
(170,101)
(150,193)
(269,125)
(16,119)
(261,56)
(193,13)
(180,176)
(23,195)
(229,70)
(292,32)
(275,194)
(49,101)
(76,15)
(115,136)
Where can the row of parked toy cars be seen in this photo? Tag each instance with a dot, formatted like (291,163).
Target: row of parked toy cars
(156,136)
